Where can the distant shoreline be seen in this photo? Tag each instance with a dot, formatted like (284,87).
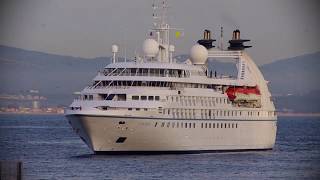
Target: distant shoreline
(30,113)
(296,114)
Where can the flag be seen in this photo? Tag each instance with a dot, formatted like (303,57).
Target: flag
(178,34)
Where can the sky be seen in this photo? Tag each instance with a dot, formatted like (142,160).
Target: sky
(278,29)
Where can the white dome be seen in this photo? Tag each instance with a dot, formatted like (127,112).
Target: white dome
(115,48)
(150,47)
(198,54)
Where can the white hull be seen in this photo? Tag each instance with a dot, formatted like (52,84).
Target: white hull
(101,133)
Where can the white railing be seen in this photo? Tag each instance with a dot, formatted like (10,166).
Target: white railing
(225,54)
(121,87)
(128,72)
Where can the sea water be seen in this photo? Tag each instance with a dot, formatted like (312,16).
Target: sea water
(49,149)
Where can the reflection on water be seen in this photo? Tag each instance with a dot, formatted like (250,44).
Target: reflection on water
(50,150)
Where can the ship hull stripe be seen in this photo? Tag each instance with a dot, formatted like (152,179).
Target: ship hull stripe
(168,119)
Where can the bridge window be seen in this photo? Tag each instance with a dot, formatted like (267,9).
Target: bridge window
(135,97)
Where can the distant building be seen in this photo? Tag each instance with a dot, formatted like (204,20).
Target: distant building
(35,105)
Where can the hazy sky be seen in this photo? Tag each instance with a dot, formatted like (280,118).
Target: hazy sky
(87,28)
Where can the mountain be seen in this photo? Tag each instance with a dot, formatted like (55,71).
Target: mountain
(55,76)
(298,75)
(307,103)
(293,81)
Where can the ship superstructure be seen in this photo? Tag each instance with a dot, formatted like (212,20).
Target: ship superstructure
(154,103)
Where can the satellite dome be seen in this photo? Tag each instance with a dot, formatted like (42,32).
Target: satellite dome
(150,47)
(114,48)
(198,54)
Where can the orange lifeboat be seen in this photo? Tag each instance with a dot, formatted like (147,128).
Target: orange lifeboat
(243,93)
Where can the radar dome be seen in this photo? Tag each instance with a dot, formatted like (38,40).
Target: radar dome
(198,54)
(150,47)
(114,48)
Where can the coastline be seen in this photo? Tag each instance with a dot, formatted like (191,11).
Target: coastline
(29,113)
(297,114)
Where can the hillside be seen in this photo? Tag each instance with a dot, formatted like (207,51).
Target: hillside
(298,75)
(293,81)
(55,76)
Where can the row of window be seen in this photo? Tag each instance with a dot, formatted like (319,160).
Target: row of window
(219,125)
(194,125)
(187,100)
(138,109)
(182,100)
(102,84)
(87,97)
(146,72)
(194,100)
(196,113)
(211,114)
(145,98)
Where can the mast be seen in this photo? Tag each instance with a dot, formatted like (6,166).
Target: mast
(161,29)
(221,38)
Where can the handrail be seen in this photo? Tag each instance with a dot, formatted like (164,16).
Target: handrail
(121,71)
(226,54)
(112,71)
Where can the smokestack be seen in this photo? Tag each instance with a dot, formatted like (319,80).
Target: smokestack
(236,35)
(206,34)
(206,41)
(236,43)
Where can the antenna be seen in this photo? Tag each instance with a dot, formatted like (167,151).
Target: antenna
(221,38)
(115,50)
(159,11)
(125,47)
(164,12)
(161,30)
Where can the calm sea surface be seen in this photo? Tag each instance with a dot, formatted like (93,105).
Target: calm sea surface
(50,150)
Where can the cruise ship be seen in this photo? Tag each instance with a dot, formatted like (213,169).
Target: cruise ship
(154,103)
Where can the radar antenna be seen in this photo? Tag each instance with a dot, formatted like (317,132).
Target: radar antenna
(161,30)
